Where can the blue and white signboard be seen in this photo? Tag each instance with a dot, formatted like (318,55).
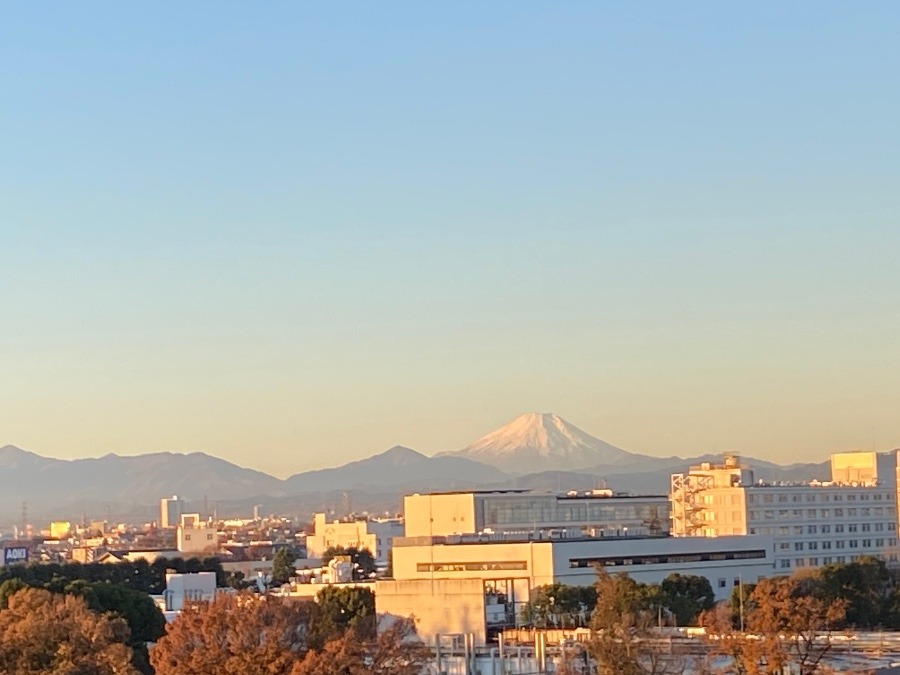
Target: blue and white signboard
(15,554)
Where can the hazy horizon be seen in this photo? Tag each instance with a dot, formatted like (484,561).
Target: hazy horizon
(298,237)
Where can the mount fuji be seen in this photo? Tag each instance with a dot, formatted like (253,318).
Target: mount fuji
(536,442)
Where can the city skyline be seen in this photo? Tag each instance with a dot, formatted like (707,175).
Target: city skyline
(296,238)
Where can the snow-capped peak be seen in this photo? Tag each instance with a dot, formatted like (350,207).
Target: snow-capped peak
(538,442)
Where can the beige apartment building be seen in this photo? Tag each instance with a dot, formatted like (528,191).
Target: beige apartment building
(812,524)
(374,534)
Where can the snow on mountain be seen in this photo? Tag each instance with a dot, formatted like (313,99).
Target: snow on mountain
(536,442)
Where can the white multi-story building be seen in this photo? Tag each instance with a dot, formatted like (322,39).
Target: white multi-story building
(195,536)
(596,512)
(812,524)
(170,510)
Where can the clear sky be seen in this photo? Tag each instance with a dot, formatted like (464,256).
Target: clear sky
(295,234)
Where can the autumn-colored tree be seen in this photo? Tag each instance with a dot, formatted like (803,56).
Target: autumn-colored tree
(623,640)
(42,632)
(787,623)
(238,634)
(395,651)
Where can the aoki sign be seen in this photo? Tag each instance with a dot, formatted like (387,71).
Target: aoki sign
(17,554)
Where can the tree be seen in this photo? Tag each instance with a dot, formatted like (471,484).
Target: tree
(560,605)
(787,624)
(8,587)
(242,634)
(362,559)
(686,595)
(41,633)
(282,567)
(393,652)
(867,589)
(623,642)
(338,610)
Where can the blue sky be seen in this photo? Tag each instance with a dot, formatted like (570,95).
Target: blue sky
(296,235)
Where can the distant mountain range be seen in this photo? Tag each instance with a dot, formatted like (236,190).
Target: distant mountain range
(538,451)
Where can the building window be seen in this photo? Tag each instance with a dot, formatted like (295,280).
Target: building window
(853,543)
(839,513)
(798,545)
(866,527)
(810,513)
(826,529)
(785,564)
(839,543)
(721,582)
(826,544)
(811,529)
(839,528)
(784,546)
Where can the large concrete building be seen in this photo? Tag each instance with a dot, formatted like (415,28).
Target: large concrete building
(194,536)
(597,512)
(812,524)
(374,534)
(496,574)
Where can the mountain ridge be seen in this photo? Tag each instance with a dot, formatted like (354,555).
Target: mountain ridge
(537,450)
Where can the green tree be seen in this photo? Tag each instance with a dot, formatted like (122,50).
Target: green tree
(338,610)
(362,559)
(867,588)
(561,605)
(282,566)
(686,596)
(8,587)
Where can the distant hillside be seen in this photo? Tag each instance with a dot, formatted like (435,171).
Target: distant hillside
(397,467)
